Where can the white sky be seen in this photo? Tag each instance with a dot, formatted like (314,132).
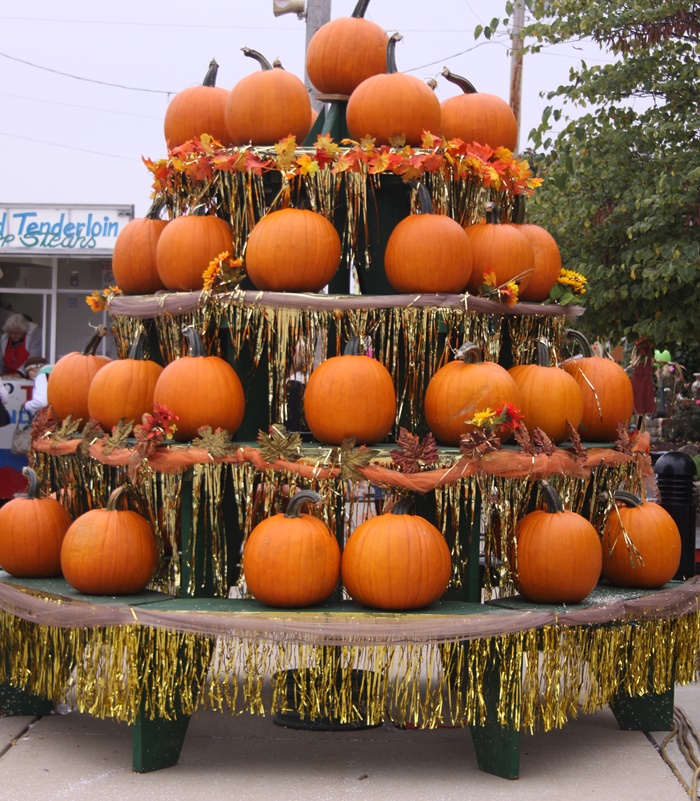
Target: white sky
(84,85)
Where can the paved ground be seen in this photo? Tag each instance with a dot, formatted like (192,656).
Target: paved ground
(248,758)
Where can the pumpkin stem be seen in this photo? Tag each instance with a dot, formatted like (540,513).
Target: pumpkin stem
(194,341)
(391,53)
(466,86)
(360,9)
(297,501)
(518,214)
(355,347)
(94,341)
(137,347)
(277,64)
(469,352)
(425,202)
(628,498)
(210,77)
(112,500)
(581,341)
(544,358)
(404,506)
(493,214)
(33,489)
(156,207)
(259,57)
(551,498)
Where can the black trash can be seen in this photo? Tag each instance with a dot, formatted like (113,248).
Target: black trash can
(675,474)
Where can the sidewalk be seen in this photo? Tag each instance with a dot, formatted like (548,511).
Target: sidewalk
(249,758)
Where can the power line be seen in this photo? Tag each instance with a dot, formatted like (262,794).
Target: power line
(76,105)
(67,147)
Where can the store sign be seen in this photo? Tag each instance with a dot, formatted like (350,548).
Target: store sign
(61,229)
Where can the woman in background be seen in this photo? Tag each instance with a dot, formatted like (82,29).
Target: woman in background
(20,340)
(37,370)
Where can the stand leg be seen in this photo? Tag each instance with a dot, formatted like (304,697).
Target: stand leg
(650,712)
(14,701)
(156,744)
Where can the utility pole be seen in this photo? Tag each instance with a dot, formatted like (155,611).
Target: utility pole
(516,62)
(318,12)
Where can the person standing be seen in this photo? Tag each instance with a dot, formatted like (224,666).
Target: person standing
(20,340)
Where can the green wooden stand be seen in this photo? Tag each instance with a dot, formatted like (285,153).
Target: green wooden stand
(16,702)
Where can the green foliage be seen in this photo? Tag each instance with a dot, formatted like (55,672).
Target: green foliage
(621,193)
(684,424)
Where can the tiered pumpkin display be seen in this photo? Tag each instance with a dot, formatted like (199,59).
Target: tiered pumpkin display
(134,257)
(428,252)
(109,551)
(311,248)
(396,561)
(32,529)
(346,51)
(201,391)
(267,106)
(292,559)
(608,398)
(499,249)
(71,377)
(187,246)
(393,107)
(477,116)
(462,388)
(641,543)
(197,110)
(550,399)
(558,556)
(123,389)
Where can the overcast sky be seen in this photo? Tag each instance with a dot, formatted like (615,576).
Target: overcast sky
(85,85)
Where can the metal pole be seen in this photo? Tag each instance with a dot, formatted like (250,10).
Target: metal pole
(516,62)
(318,12)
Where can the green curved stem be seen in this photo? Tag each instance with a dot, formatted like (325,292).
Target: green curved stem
(355,347)
(391,53)
(94,341)
(466,86)
(112,501)
(425,202)
(137,347)
(210,77)
(470,353)
(194,341)
(627,497)
(493,214)
(404,506)
(300,499)
(156,207)
(264,63)
(360,9)
(583,344)
(544,358)
(551,498)
(33,489)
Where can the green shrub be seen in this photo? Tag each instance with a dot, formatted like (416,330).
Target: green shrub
(684,425)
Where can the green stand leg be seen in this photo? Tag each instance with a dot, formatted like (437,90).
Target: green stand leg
(650,712)
(157,743)
(14,701)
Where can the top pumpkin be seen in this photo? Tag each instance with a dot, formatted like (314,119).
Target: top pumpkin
(346,51)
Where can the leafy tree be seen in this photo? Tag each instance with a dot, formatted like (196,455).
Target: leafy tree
(622,182)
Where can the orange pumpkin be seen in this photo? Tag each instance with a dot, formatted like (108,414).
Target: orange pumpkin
(396,561)
(31,533)
(392,107)
(350,396)
(197,110)
(201,390)
(134,256)
(292,559)
(477,116)
(187,246)
(267,106)
(109,551)
(463,387)
(311,248)
(499,249)
(428,252)
(546,263)
(558,553)
(550,399)
(346,51)
(608,398)
(69,387)
(641,543)
(123,389)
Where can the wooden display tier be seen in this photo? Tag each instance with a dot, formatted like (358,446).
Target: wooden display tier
(498,668)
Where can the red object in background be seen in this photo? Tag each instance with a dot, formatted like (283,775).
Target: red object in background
(11,483)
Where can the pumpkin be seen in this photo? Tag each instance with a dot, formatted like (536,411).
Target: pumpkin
(396,561)
(550,399)
(109,551)
(477,116)
(123,389)
(31,532)
(499,249)
(267,106)
(197,110)
(393,107)
(546,265)
(641,543)
(346,51)
(134,256)
(608,398)
(558,553)
(311,248)
(350,396)
(428,252)
(187,246)
(463,387)
(201,391)
(69,385)
(292,559)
